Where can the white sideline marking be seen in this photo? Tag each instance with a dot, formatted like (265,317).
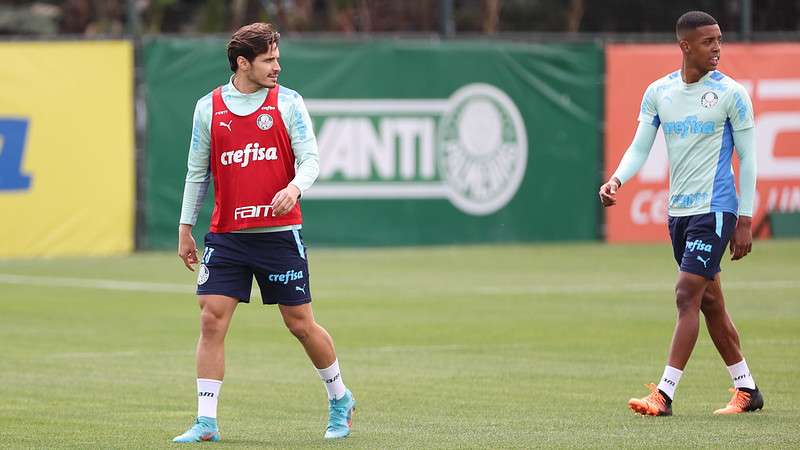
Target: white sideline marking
(118,354)
(94,283)
(189,288)
(641,287)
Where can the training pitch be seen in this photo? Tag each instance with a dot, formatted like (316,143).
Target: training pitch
(451,347)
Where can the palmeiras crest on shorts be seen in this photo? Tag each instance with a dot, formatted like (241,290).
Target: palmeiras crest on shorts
(483,148)
(264,122)
(709,99)
(202,275)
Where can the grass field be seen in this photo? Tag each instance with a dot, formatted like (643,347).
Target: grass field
(455,347)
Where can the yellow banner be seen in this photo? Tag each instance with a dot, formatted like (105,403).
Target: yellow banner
(66,148)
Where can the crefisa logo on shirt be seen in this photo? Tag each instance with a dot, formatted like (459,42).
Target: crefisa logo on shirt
(264,122)
(709,99)
(251,152)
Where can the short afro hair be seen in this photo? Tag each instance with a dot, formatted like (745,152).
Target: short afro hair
(692,20)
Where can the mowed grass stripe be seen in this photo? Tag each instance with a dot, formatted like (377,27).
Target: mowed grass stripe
(143,286)
(457,347)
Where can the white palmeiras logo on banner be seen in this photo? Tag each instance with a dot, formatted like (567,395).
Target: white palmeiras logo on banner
(264,121)
(484,149)
(471,149)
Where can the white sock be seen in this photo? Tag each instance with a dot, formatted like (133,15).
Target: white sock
(669,381)
(333,381)
(207,397)
(740,374)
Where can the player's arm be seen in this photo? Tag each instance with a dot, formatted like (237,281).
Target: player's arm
(637,153)
(742,240)
(306,154)
(195,188)
(740,114)
(633,160)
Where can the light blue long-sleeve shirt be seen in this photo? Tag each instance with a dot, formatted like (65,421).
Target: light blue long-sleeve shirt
(702,123)
(298,125)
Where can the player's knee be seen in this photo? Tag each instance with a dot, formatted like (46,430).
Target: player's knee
(300,328)
(710,303)
(211,325)
(686,300)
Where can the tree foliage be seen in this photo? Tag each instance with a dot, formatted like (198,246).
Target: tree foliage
(109,17)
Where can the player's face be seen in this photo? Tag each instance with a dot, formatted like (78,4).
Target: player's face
(265,68)
(703,46)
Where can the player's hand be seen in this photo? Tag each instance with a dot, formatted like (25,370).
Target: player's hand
(608,192)
(187,248)
(742,240)
(285,199)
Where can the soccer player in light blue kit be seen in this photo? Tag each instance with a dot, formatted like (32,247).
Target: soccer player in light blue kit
(704,115)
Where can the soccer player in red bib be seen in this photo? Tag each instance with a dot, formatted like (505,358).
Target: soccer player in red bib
(254,137)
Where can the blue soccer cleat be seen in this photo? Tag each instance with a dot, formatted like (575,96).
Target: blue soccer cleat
(340,416)
(204,430)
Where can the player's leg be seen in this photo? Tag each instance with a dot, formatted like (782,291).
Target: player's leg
(691,255)
(746,396)
(216,312)
(282,274)
(283,277)
(316,341)
(688,297)
(223,281)
(318,344)
(215,317)
(720,327)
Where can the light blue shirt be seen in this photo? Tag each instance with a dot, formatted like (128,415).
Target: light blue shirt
(699,120)
(298,125)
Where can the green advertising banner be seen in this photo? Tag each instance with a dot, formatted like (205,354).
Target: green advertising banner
(421,142)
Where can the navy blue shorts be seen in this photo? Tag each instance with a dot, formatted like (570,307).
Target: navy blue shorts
(277,260)
(699,241)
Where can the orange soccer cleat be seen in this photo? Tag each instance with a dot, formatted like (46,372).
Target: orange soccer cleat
(743,400)
(655,404)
